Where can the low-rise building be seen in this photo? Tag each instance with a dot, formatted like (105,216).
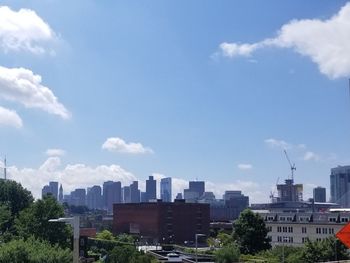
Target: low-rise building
(162,222)
(296,228)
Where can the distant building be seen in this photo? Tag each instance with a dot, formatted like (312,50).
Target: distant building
(112,194)
(340,178)
(289,191)
(143,197)
(165,189)
(135,193)
(194,191)
(78,197)
(162,222)
(319,194)
(51,189)
(229,208)
(54,189)
(126,194)
(151,189)
(60,195)
(178,196)
(94,197)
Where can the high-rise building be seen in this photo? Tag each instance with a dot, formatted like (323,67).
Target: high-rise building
(340,185)
(54,189)
(143,197)
(126,194)
(78,197)
(165,189)
(195,191)
(60,195)
(112,194)
(135,192)
(151,189)
(319,194)
(178,196)
(290,192)
(46,190)
(94,197)
(51,189)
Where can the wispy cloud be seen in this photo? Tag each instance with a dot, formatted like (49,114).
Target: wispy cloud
(325,42)
(24,30)
(116,144)
(244,166)
(55,152)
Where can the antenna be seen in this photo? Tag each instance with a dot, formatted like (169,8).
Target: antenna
(292,166)
(5,172)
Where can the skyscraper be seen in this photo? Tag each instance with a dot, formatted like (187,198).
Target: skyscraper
(54,189)
(151,189)
(340,186)
(78,197)
(126,194)
(60,195)
(165,189)
(94,197)
(112,194)
(319,194)
(135,192)
(194,191)
(51,189)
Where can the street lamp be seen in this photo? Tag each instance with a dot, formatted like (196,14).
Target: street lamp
(74,222)
(196,239)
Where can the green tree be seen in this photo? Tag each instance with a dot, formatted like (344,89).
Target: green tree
(228,254)
(33,251)
(328,249)
(250,232)
(34,221)
(105,235)
(14,196)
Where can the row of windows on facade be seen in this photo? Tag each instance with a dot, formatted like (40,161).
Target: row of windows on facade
(289,229)
(284,239)
(307,219)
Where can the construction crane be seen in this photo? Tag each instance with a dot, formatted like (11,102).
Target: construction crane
(292,166)
(272,193)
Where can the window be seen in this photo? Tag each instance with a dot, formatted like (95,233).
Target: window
(269,228)
(318,230)
(285,229)
(304,239)
(332,219)
(304,218)
(279,239)
(324,230)
(282,218)
(303,230)
(289,218)
(270,218)
(344,219)
(279,229)
(290,229)
(331,230)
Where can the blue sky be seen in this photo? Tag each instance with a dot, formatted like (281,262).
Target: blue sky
(187,89)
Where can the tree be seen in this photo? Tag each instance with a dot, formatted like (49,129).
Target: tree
(106,235)
(328,249)
(33,251)
(227,254)
(34,221)
(250,232)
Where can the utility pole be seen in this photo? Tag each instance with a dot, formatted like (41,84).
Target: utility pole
(5,171)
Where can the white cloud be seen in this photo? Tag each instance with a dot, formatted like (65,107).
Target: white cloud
(71,176)
(115,144)
(23,30)
(23,86)
(274,143)
(311,156)
(325,42)
(55,152)
(244,166)
(10,118)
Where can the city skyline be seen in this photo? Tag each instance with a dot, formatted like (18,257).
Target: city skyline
(127,90)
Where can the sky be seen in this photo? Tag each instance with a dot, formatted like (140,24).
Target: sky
(92,91)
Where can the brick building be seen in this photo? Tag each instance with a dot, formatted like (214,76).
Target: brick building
(162,222)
